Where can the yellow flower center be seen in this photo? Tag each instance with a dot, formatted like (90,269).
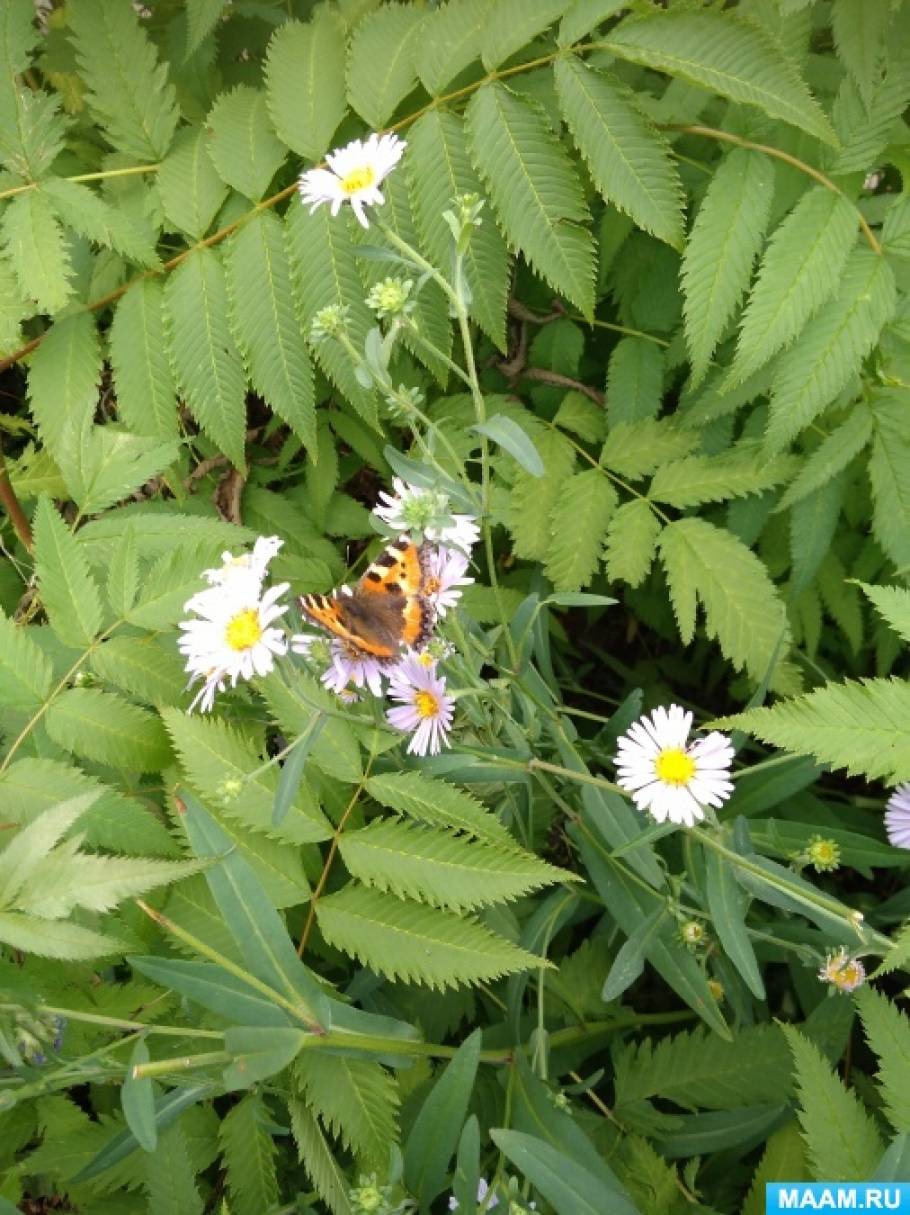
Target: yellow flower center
(847,975)
(358,179)
(425,658)
(674,767)
(426,704)
(431,587)
(243,630)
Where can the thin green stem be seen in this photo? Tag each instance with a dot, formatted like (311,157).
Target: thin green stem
(75,1014)
(100,176)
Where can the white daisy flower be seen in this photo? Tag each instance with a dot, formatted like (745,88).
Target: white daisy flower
(413,508)
(354,175)
(423,705)
(843,972)
(668,777)
(246,571)
(897,817)
(445,575)
(232,636)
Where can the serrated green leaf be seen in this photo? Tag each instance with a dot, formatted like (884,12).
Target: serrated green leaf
(356,1098)
(32,129)
(743,612)
(628,160)
(889,475)
(128,90)
(295,705)
(439,170)
(102,465)
(191,190)
(511,24)
(249,1154)
(635,449)
(533,499)
(414,943)
(207,364)
(104,727)
(321,1166)
(840,1135)
(583,16)
(53,939)
(304,76)
(812,525)
(893,605)
(33,241)
(632,542)
(146,667)
(831,456)
(725,55)
(578,525)
(63,381)
(799,272)
(535,190)
(146,392)
(211,752)
(832,347)
(241,143)
(380,62)
(439,868)
(169,1180)
(450,38)
(171,580)
(722,246)
(784,1159)
(888,1034)
(92,217)
(65,880)
(734,474)
(267,325)
(858,30)
(68,591)
(865,128)
(635,376)
(25,670)
(30,846)
(438,804)
(202,17)
(325,273)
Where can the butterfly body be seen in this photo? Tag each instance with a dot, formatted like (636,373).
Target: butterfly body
(388,609)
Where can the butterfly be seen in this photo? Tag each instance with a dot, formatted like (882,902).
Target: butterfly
(387,609)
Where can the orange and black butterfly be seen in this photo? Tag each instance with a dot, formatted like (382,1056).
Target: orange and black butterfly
(389,608)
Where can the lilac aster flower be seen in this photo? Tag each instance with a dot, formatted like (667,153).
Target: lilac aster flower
(423,705)
(445,575)
(897,817)
(349,667)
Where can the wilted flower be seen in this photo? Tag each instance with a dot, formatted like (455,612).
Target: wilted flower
(354,175)
(668,777)
(231,637)
(843,972)
(692,933)
(897,817)
(423,706)
(413,508)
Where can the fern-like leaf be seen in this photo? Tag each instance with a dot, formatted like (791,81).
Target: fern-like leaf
(169,1176)
(92,217)
(33,242)
(450,38)
(725,55)
(631,542)
(888,1034)
(831,456)
(832,347)
(841,1137)
(146,392)
(439,868)
(191,190)
(723,244)
(242,145)
(68,591)
(249,1155)
(857,725)
(416,944)
(629,161)
(108,729)
(206,362)
(128,90)
(149,669)
(325,270)
(799,272)
(266,323)
(697,479)
(304,75)
(578,525)
(742,608)
(535,190)
(25,670)
(356,1098)
(437,804)
(381,62)
(440,170)
(63,381)
(211,751)
(321,1166)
